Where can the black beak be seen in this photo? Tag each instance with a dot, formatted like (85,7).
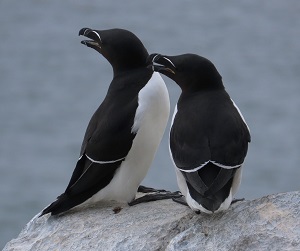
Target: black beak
(94,35)
(161,63)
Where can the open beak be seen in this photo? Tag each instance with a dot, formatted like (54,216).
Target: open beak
(94,36)
(161,63)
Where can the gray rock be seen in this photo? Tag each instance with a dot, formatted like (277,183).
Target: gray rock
(268,223)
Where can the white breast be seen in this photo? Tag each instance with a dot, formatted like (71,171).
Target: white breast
(154,103)
(149,125)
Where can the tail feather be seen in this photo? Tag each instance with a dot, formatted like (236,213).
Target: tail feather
(62,204)
(210,186)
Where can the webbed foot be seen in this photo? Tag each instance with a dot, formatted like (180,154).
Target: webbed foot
(237,200)
(155,196)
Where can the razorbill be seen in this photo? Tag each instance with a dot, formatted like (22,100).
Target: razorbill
(209,136)
(124,133)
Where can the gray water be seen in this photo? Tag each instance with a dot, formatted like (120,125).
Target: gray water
(51,85)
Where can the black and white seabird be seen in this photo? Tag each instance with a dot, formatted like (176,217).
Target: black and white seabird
(124,133)
(209,136)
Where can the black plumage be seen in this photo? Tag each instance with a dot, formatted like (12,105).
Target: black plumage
(109,136)
(209,137)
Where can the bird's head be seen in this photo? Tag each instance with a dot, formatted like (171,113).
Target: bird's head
(120,47)
(189,71)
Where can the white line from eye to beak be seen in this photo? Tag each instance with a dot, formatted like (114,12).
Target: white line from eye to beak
(97,35)
(169,61)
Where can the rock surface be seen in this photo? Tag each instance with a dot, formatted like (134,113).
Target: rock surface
(268,223)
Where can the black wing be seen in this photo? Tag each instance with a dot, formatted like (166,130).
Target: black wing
(108,137)
(207,135)
(92,178)
(107,142)
(208,128)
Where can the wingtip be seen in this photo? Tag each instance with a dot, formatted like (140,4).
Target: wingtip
(52,208)
(46,210)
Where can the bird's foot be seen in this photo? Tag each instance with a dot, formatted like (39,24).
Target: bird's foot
(181,200)
(237,200)
(144,189)
(155,196)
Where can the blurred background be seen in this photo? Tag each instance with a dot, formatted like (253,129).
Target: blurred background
(50,85)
